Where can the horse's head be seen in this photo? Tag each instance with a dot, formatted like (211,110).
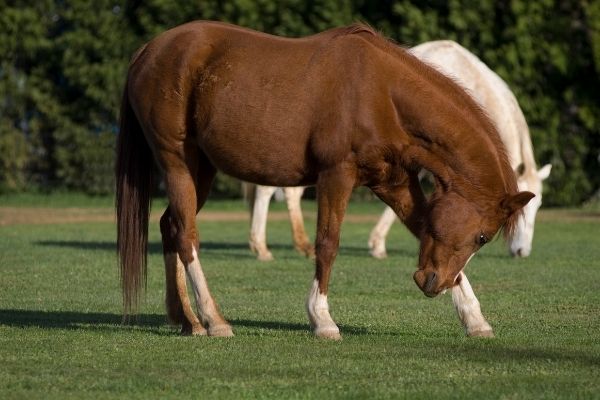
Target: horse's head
(520,243)
(454,230)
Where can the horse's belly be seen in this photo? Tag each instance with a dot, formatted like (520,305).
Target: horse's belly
(265,159)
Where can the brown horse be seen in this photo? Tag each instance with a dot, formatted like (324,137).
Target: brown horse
(339,109)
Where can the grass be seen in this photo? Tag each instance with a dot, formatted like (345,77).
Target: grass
(61,337)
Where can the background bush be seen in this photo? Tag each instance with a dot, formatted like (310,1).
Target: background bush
(63,64)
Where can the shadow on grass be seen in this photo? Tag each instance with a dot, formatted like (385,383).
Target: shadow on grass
(286,326)
(230,248)
(77,320)
(474,350)
(153,247)
(510,354)
(147,322)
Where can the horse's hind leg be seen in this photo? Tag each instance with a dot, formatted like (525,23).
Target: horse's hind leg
(179,309)
(188,181)
(293,195)
(258,225)
(468,309)
(207,307)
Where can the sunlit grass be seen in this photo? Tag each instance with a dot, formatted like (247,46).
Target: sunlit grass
(61,337)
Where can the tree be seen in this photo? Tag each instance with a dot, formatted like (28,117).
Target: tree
(63,65)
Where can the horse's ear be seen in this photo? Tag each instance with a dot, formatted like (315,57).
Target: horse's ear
(512,203)
(544,172)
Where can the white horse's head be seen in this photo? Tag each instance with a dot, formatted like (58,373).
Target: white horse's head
(520,245)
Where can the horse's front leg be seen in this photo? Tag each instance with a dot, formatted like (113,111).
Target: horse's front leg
(333,192)
(380,232)
(468,309)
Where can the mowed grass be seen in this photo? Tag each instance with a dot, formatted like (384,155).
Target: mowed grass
(61,336)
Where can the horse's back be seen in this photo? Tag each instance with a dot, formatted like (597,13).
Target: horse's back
(239,92)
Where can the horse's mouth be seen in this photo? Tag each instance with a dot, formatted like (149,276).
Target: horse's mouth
(430,284)
(431,295)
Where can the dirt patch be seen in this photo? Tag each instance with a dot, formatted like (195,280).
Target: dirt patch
(42,215)
(47,215)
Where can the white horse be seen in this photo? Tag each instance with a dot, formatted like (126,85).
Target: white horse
(501,105)
(259,197)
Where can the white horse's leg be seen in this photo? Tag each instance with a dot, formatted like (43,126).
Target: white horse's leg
(379,233)
(206,305)
(258,227)
(468,309)
(301,241)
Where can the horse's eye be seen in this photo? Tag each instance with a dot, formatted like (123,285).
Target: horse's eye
(482,239)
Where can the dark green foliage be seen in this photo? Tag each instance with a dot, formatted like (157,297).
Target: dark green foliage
(63,64)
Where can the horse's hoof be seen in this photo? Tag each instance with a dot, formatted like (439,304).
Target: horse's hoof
(482,333)
(196,330)
(310,253)
(330,334)
(265,256)
(380,255)
(220,331)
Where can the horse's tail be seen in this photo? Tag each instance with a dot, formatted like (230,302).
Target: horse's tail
(133,177)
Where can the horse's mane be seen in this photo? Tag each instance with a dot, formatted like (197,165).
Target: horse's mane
(390,46)
(356,28)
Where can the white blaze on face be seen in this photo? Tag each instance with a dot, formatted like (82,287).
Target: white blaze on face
(520,244)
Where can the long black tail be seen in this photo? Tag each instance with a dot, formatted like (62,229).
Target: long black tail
(133,177)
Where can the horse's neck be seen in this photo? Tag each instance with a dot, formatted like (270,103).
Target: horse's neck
(489,90)
(446,128)
(449,126)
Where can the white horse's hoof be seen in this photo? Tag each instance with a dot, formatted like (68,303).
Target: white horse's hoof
(482,333)
(380,255)
(220,331)
(328,333)
(377,249)
(307,250)
(196,330)
(265,256)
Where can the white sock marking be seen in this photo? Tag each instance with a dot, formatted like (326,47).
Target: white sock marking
(468,308)
(318,313)
(205,304)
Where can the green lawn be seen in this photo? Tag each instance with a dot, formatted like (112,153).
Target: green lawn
(61,337)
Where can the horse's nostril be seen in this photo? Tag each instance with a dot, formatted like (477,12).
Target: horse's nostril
(430,282)
(519,253)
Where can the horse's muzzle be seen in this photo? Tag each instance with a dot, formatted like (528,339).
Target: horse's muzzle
(427,282)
